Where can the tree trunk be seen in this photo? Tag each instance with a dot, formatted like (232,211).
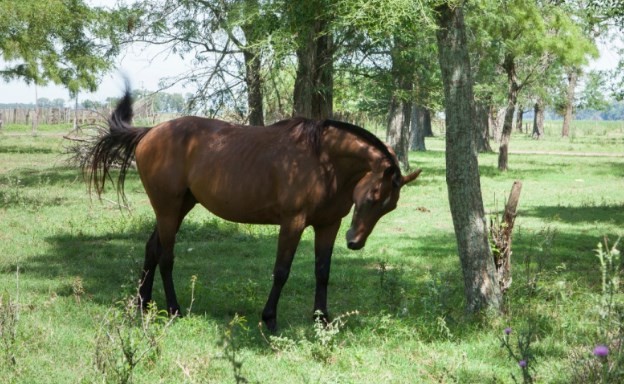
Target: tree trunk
(483,131)
(428,132)
(313,93)
(35,120)
(519,117)
(512,96)
(568,115)
(253,80)
(538,119)
(500,233)
(462,171)
(398,129)
(495,120)
(417,128)
(253,63)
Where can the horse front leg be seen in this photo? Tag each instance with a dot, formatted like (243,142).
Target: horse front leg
(289,237)
(324,239)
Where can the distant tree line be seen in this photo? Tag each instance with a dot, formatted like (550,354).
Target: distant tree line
(159,102)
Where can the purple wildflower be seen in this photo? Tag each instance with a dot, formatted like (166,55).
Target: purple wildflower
(507,331)
(601,351)
(522,363)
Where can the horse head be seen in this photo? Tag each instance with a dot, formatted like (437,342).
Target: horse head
(376,194)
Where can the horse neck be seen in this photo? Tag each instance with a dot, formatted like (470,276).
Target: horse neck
(351,156)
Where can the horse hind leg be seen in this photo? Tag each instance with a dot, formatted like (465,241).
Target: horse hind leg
(153,249)
(159,250)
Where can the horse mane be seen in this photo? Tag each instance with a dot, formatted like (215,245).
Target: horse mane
(310,132)
(366,135)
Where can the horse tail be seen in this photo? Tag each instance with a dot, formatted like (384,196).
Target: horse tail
(113,149)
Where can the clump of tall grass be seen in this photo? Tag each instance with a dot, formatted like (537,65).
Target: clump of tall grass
(127,337)
(321,345)
(603,360)
(9,326)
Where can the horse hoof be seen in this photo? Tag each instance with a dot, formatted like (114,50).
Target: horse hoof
(271,324)
(175,312)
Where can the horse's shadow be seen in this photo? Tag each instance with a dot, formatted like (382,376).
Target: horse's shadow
(223,269)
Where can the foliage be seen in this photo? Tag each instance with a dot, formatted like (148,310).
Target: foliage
(66,42)
(543,39)
(215,34)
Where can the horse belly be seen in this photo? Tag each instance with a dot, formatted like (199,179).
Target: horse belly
(241,203)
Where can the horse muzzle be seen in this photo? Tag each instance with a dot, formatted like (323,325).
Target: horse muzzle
(354,241)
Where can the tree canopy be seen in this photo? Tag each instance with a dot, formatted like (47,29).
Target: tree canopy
(62,41)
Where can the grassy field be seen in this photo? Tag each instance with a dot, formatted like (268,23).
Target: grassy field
(69,266)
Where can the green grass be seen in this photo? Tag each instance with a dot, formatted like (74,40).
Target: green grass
(68,262)
(585,136)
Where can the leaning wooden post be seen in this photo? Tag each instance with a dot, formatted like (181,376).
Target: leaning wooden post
(500,233)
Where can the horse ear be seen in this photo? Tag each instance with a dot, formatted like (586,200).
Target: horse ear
(409,178)
(390,171)
(394,173)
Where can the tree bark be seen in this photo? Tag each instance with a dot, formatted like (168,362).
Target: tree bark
(512,96)
(568,115)
(417,128)
(398,129)
(483,130)
(462,171)
(399,115)
(313,93)
(538,119)
(495,119)
(519,117)
(253,80)
(428,132)
(500,233)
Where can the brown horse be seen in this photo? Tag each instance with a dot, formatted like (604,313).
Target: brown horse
(294,173)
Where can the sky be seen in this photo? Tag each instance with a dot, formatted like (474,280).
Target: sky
(143,66)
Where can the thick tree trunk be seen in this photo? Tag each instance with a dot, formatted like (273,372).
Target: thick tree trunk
(417,128)
(495,121)
(512,96)
(253,80)
(398,129)
(462,171)
(399,115)
(428,132)
(483,131)
(538,119)
(568,115)
(313,93)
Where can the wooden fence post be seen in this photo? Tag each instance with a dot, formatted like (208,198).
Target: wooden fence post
(500,233)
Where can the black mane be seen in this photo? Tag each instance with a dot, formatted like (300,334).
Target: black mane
(364,134)
(311,131)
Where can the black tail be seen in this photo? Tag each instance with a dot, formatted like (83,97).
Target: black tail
(114,148)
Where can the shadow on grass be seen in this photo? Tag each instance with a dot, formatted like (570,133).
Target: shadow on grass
(418,282)
(610,213)
(21,149)
(37,178)
(234,266)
